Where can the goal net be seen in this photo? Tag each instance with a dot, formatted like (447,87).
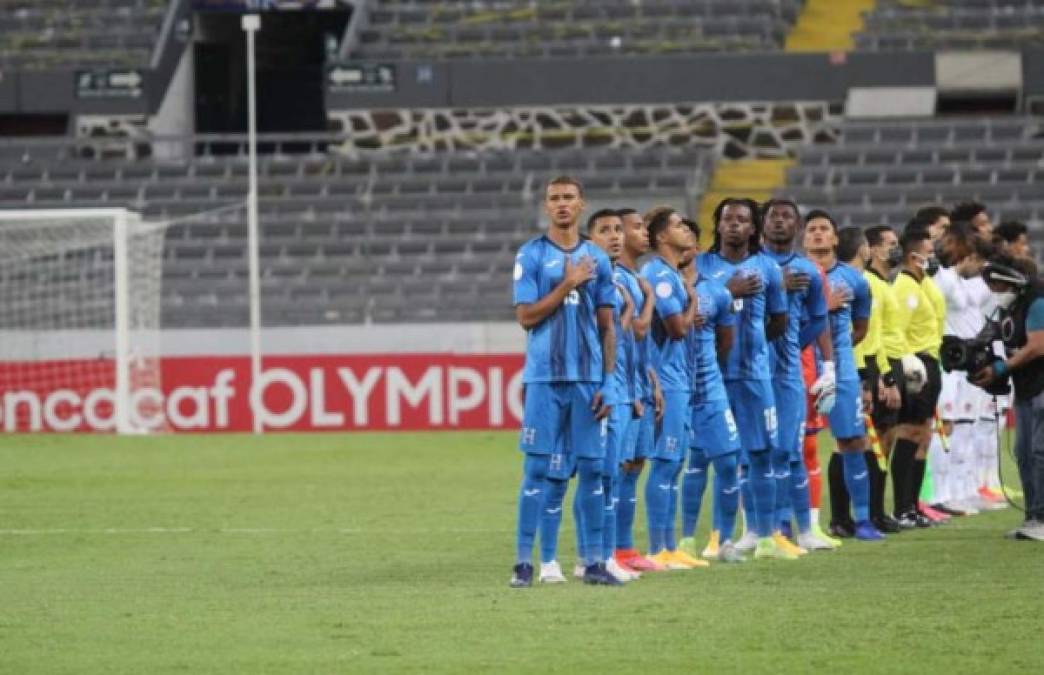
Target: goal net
(79,321)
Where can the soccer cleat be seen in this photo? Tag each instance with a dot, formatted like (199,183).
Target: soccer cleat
(690,561)
(906,521)
(865,531)
(886,524)
(578,570)
(631,558)
(597,575)
(767,549)
(635,574)
(712,550)
(614,568)
(943,508)
(688,544)
(551,573)
(665,560)
(727,553)
(817,530)
(842,530)
(810,542)
(991,495)
(522,576)
(931,514)
(788,545)
(748,542)
(1033,529)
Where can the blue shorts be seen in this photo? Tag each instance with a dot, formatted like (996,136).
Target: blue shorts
(621,419)
(644,432)
(672,433)
(754,407)
(846,419)
(714,429)
(791,410)
(558,420)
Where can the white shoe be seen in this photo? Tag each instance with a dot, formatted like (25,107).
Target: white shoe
(551,573)
(619,573)
(810,542)
(1034,530)
(578,571)
(748,542)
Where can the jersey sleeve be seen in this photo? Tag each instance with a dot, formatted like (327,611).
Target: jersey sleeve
(1035,315)
(815,301)
(725,317)
(667,301)
(527,288)
(775,291)
(861,300)
(605,289)
(907,295)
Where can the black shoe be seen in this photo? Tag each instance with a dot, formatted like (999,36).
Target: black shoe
(597,575)
(943,508)
(887,524)
(841,530)
(522,576)
(920,520)
(906,521)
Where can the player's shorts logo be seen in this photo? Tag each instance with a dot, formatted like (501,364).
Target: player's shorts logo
(529,435)
(556,462)
(730,422)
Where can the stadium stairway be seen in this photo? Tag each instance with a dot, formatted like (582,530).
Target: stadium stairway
(828,25)
(755,178)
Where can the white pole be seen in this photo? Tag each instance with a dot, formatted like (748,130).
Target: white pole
(121,310)
(251,24)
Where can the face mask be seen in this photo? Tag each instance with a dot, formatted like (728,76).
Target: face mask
(931,267)
(895,257)
(1006,299)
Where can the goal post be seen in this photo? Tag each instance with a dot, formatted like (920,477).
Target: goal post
(80,301)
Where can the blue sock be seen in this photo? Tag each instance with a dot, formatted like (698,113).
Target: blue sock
(578,520)
(672,510)
(781,472)
(799,496)
(857,480)
(551,519)
(726,495)
(610,485)
(694,482)
(592,505)
(530,502)
(747,499)
(657,497)
(763,485)
(626,507)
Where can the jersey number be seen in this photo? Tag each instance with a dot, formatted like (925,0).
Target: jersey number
(771,422)
(573,298)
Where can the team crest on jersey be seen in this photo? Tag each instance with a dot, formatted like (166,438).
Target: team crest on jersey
(911,302)
(663,290)
(706,304)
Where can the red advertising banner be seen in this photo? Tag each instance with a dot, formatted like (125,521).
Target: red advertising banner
(296,393)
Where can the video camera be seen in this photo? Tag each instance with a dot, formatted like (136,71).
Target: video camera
(970,355)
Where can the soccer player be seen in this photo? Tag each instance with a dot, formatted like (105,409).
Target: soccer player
(605,230)
(649,407)
(760,302)
(672,319)
(848,323)
(564,296)
(920,327)
(1012,238)
(974,213)
(806,303)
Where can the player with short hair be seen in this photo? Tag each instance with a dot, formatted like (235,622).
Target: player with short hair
(975,213)
(649,407)
(849,317)
(564,297)
(760,302)
(714,438)
(1012,237)
(673,317)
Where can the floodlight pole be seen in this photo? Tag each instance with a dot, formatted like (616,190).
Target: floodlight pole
(251,24)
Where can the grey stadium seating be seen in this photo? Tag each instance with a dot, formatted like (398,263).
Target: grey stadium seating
(955,24)
(881,172)
(520,28)
(389,237)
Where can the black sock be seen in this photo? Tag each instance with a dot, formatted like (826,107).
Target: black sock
(917,481)
(877,485)
(902,474)
(839,500)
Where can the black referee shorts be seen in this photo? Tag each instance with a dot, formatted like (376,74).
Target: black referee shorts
(921,407)
(884,417)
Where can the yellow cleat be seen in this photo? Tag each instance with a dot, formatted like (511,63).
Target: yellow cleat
(713,546)
(666,560)
(767,550)
(820,534)
(690,562)
(787,545)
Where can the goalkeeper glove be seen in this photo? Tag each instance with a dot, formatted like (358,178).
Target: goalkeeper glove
(825,389)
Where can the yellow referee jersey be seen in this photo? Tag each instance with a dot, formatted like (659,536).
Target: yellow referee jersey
(884,339)
(935,296)
(917,318)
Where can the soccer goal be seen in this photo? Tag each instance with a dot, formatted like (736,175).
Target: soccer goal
(79,320)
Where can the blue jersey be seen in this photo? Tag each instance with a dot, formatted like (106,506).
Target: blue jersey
(749,358)
(802,307)
(843,279)
(566,346)
(715,306)
(669,355)
(621,388)
(640,348)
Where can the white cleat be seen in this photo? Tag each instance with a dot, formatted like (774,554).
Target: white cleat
(748,542)
(578,571)
(551,573)
(619,573)
(810,542)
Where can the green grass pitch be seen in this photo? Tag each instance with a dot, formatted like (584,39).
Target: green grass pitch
(392,552)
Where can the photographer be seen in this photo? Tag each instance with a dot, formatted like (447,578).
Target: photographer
(1020,319)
